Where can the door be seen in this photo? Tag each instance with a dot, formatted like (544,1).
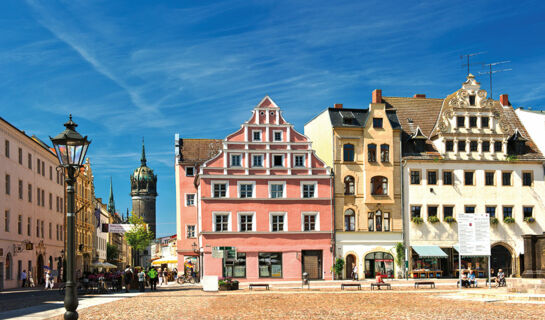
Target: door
(312,264)
(40,270)
(349,265)
(1,276)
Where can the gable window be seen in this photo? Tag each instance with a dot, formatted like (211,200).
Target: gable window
(190,200)
(277,222)
(469,209)
(277,190)
(235,160)
(246,222)
(415,211)
(468,178)
(489,178)
(379,186)
(256,135)
(384,153)
(507,211)
(497,146)
(491,210)
(190,232)
(506,178)
(447,178)
(349,185)
(415,177)
(448,211)
(299,161)
(257,161)
(485,146)
(246,190)
(473,146)
(462,146)
(527,179)
(449,146)
(432,177)
(219,190)
(309,222)
(460,122)
(349,220)
(221,222)
(484,122)
(471,99)
(189,171)
(377,123)
(308,190)
(473,122)
(372,152)
(348,152)
(278,160)
(528,211)
(277,135)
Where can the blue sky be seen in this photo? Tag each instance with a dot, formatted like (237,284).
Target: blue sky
(128,69)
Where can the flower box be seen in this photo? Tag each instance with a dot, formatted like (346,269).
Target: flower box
(433,219)
(449,219)
(509,220)
(529,220)
(417,220)
(493,220)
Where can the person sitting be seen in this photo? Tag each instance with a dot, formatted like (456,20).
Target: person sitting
(465,280)
(379,278)
(500,278)
(471,279)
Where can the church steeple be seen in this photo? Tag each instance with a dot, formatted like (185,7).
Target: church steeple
(111,202)
(143,159)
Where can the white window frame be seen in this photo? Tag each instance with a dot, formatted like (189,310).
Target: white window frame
(194,231)
(283,183)
(231,160)
(283,160)
(262,160)
(246,182)
(260,136)
(281,135)
(229,222)
(194,199)
(315,183)
(284,214)
(244,213)
(295,162)
(316,222)
(186,171)
(213,183)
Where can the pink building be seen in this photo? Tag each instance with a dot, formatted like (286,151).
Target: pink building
(265,200)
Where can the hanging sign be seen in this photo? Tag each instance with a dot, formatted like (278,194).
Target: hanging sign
(474,234)
(119,228)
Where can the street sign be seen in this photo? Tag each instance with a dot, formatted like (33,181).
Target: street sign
(119,228)
(474,234)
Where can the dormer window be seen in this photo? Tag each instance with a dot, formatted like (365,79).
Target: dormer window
(471,99)
(256,134)
(377,123)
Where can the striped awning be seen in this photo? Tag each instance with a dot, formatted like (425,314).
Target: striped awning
(430,252)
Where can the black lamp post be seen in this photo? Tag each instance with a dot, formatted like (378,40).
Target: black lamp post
(71,148)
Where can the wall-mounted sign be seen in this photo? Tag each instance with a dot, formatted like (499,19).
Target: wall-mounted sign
(474,234)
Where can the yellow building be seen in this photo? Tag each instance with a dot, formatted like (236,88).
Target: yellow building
(363,148)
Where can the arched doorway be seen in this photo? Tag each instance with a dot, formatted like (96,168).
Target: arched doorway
(379,263)
(349,265)
(40,270)
(500,259)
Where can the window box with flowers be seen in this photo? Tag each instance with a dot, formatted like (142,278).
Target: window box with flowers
(227,284)
(449,219)
(417,220)
(493,220)
(433,219)
(529,220)
(509,220)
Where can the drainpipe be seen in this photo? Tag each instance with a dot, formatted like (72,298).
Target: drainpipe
(405,232)
(333,243)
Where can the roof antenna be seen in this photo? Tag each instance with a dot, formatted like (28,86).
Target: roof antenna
(467,56)
(490,72)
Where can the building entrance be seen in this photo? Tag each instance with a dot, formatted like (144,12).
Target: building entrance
(312,264)
(349,265)
(500,259)
(379,263)
(40,270)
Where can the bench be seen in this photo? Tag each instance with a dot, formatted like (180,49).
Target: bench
(263,285)
(471,285)
(350,285)
(378,285)
(417,284)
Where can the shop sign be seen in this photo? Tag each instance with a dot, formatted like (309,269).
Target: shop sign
(474,234)
(119,228)
(217,253)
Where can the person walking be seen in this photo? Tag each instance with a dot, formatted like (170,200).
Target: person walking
(141,279)
(23,278)
(127,278)
(152,274)
(48,282)
(30,280)
(160,276)
(355,272)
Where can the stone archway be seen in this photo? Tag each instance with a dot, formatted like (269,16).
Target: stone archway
(501,258)
(350,261)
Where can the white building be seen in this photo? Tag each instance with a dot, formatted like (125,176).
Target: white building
(467,153)
(101,238)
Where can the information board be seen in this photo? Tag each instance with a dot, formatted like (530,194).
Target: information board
(474,234)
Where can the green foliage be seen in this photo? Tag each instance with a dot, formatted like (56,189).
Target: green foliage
(530,219)
(417,220)
(493,220)
(433,219)
(112,252)
(509,220)
(449,219)
(139,237)
(400,254)
(511,158)
(339,265)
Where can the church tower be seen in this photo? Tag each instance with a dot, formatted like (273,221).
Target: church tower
(144,192)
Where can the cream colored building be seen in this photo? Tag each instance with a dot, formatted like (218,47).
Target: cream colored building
(31,207)
(85,218)
(101,238)
(363,148)
(467,153)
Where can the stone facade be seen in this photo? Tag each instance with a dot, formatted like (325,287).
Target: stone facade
(85,218)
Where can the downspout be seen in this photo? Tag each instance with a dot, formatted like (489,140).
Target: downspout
(404,222)
(333,244)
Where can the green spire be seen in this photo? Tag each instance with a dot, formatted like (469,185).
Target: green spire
(143,159)
(111,202)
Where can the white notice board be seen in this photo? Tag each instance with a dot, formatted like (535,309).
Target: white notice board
(474,234)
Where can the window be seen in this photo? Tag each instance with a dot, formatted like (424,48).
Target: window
(379,186)
(485,146)
(38,193)
(432,211)
(415,177)
(527,179)
(20,156)
(378,220)
(235,160)
(348,152)
(471,99)
(37,228)
(20,224)
(349,185)
(50,201)
(38,165)
(371,221)
(447,178)
(507,212)
(460,122)
(50,231)
(246,222)
(8,184)
(528,212)
(50,173)
(6,220)
(484,122)
(277,190)
(462,146)
(6,148)
(468,178)
(29,192)
(506,178)
(277,222)
(489,178)
(29,226)
(221,222)
(9,266)
(448,211)
(372,152)
(491,210)
(245,190)
(277,135)
(299,161)
(469,209)
(473,146)
(473,122)
(189,200)
(432,177)
(497,146)
(257,161)
(309,190)
(235,268)
(377,123)
(29,161)
(219,190)
(309,222)
(449,146)
(349,220)
(189,171)
(278,160)
(386,223)
(415,211)
(384,153)
(256,135)
(270,264)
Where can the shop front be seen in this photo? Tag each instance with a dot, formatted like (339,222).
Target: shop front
(379,263)
(428,262)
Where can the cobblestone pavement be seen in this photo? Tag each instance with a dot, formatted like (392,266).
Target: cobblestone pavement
(185,303)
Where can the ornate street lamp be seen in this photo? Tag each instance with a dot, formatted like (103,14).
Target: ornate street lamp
(71,148)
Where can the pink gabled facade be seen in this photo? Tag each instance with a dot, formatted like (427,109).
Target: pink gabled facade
(269,197)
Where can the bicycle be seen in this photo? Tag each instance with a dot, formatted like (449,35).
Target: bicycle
(186,278)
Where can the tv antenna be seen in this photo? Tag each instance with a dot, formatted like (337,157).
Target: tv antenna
(490,72)
(467,56)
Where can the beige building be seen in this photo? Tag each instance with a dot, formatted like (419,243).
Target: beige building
(31,207)
(363,148)
(85,218)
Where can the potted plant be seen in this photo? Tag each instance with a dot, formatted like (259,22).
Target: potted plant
(449,219)
(433,219)
(338,267)
(417,220)
(493,220)
(530,219)
(509,220)
(227,284)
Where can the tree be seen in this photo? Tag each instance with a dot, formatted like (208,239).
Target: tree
(338,266)
(112,253)
(139,237)
(400,256)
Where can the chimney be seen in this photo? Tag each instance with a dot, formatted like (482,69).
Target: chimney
(420,95)
(338,105)
(504,100)
(377,96)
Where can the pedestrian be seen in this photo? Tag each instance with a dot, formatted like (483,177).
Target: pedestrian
(30,280)
(127,278)
(48,280)
(165,277)
(152,274)
(355,272)
(160,276)
(141,279)
(23,278)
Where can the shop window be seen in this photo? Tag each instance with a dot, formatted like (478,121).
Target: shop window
(489,178)
(432,177)
(528,212)
(507,211)
(384,153)
(527,179)
(506,178)
(447,178)
(415,177)
(349,185)
(379,263)
(372,152)
(449,146)
(462,146)
(379,186)
(415,211)
(468,178)
(235,266)
(349,220)
(485,146)
(491,210)
(270,264)
(348,152)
